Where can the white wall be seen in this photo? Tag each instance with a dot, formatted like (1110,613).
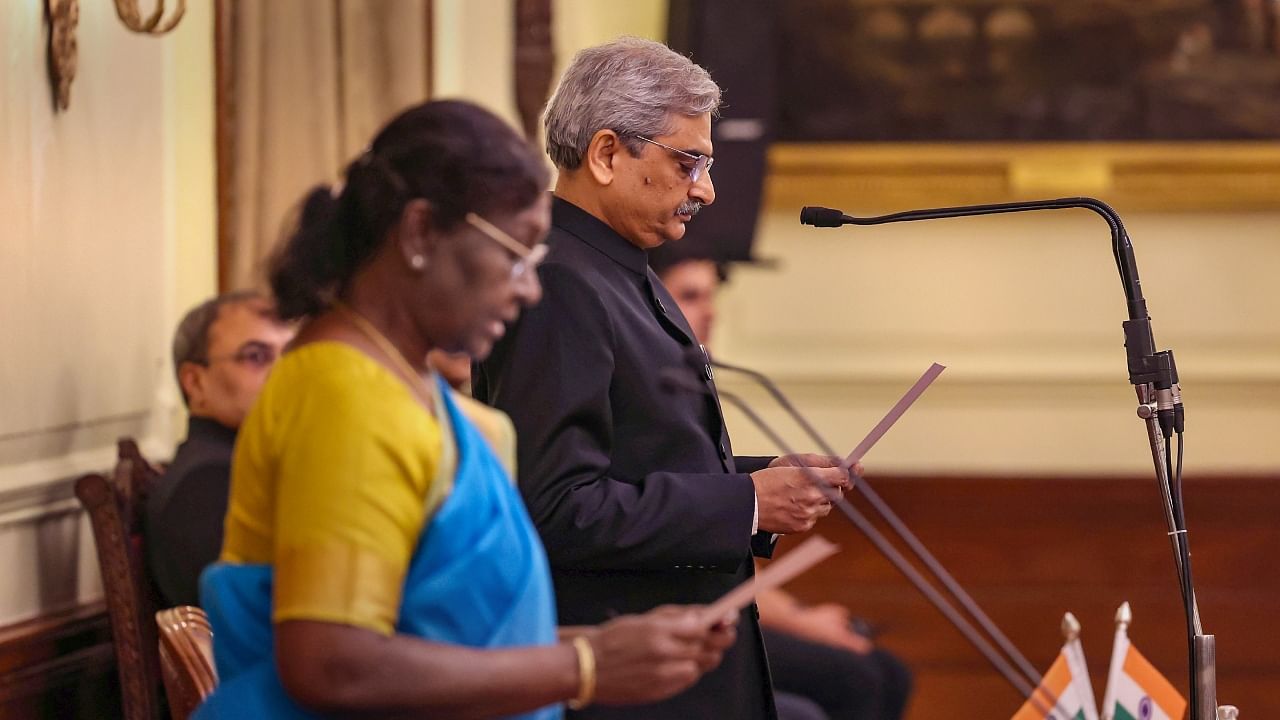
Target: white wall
(108,236)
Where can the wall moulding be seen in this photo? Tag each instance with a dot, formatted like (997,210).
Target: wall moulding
(44,488)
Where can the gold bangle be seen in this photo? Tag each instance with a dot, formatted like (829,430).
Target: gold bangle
(586,673)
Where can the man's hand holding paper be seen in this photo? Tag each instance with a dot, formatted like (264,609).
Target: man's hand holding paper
(787,499)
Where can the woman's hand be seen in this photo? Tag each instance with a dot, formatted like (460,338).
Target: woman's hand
(649,657)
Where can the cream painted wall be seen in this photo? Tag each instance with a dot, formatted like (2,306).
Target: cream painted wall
(580,24)
(473,54)
(1025,310)
(109,235)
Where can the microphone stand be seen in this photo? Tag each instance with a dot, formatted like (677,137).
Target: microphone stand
(673,379)
(1154,376)
(891,518)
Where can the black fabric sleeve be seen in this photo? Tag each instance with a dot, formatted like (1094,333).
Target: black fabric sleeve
(752,463)
(762,543)
(562,410)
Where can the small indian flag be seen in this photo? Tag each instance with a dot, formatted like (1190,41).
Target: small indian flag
(1135,689)
(1065,692)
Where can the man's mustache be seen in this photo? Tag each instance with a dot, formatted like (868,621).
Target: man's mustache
(689,207)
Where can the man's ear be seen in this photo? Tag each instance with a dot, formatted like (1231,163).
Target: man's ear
(601,154)
(414,239)
(191,380)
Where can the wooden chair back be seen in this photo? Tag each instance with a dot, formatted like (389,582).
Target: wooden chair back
(116,506)
(186,658)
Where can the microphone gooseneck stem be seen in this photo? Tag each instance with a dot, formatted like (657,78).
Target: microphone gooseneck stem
(1177,533)
(1201,660)
(896,523)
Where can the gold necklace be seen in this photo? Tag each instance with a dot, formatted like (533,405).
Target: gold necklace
(389,349)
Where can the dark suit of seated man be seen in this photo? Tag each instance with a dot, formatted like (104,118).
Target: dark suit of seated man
(221,353)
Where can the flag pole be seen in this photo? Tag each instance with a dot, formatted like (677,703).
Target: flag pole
(1079,668)
(1124,616)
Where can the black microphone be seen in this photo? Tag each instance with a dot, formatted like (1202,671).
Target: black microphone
(1154,376)
(822,217)
(673,380)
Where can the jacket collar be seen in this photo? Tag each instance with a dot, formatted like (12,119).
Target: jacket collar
(596,233)
(204,427)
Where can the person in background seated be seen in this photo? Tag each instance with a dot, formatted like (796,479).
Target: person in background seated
(378,561)
(814,652)
(222,351)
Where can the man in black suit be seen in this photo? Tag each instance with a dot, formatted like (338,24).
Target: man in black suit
(222,351)
(634,489)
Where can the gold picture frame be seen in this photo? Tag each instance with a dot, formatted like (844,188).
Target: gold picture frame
(1142,176)
(888,104)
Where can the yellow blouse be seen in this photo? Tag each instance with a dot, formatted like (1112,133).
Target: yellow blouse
(337,470)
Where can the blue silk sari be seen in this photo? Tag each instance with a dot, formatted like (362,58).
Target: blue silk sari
(479,577)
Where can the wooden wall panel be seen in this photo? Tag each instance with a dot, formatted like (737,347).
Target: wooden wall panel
(1030,549)
(61,665)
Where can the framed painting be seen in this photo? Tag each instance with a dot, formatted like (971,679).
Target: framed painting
(1154,104)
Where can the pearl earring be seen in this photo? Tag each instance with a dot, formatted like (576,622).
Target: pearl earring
(417,262)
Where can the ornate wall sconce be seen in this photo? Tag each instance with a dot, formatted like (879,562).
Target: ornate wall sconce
(64,15)
(131,16)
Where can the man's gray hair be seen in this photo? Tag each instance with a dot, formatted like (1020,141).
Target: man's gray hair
(630,86)
(191,340)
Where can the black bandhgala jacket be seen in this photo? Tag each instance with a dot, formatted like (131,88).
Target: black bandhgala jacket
(634,488)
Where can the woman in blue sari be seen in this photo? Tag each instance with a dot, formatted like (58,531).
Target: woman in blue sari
(378,560)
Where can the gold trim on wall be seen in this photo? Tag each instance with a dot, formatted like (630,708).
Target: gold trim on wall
(862,177)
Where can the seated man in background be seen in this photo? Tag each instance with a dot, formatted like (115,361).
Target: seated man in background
(222,351)
(814,652)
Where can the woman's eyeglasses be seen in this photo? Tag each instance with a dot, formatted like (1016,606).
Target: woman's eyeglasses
(528,257)
(701,163)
